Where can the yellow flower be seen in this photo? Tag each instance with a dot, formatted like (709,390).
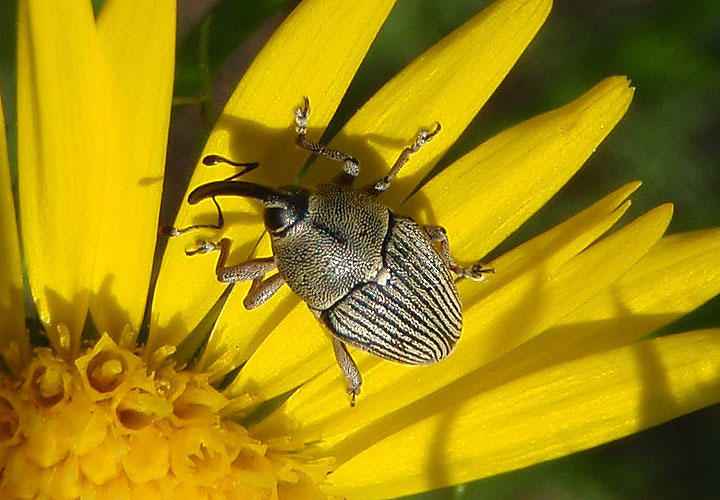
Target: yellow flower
(555,355)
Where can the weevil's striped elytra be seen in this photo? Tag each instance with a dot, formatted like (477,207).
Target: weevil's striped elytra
(380,282)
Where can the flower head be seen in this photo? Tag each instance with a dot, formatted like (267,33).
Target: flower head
(554,356)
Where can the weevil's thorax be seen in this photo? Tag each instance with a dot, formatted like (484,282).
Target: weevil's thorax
(334,247)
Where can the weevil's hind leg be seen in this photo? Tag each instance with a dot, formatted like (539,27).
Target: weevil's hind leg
(422,138)
(351,167)
(477,272)
(261,290)
(348,368)
(245,271)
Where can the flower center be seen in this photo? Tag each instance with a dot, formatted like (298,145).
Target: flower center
(8,420)
(110,424)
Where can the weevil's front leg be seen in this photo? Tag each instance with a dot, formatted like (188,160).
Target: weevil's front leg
(423,138)
(245,271)
(261,290)
(348,368)
(477,272)
(172,232)
(351,167)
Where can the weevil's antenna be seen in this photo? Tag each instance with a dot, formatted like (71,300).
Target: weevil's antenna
(211,160)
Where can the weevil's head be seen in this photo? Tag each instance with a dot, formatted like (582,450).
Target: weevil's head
(284,207)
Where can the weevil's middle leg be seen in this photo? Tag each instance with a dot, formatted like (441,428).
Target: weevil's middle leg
(422,138)
(348,368)
(477,272)
(351,167)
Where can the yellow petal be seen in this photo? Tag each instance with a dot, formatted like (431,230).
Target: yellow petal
(522,308)
(476,429)
(137,39)
(558,245)
(14,345)
(449,83)
(238,333)
(62,118)
(297,349)
(314,53)
(508,178)
(680,273)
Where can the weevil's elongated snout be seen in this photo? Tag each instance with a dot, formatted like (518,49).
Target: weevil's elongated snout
(235,188)
(282,208)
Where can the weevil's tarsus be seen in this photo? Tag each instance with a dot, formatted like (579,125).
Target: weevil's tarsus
(348,368)
(477,272)
(302,115)
(203,247)
(351,167)
(172,232)
(422,138)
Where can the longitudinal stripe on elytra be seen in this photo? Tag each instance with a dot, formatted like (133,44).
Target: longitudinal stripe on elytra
(430,280)
(444,304)
(395,261)
(422,296)
(440,321)
(370,344)
(397,296)
(433,336)
(371,340)
(368,331)
(431,257)
(393,330)
(406,334)
(445,286)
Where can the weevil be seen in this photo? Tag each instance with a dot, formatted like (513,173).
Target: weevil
(380,282)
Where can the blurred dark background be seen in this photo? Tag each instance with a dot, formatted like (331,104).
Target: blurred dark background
(668,139)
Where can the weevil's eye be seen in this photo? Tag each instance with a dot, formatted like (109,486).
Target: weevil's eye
(277,219)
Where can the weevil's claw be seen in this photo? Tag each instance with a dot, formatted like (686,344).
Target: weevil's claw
(435,131)
(425,136)
(302,114)
(353,390)
(203,247)
(479,272)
